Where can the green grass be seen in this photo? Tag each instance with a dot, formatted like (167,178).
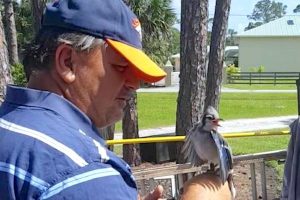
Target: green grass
(250,145)
(258,144)
(253,105)
(261,87)
(159,109)
(155,110)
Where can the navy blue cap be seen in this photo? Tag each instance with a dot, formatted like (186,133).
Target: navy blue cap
(110,20)
(107,19)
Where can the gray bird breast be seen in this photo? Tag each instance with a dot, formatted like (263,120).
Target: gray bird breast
(206,148)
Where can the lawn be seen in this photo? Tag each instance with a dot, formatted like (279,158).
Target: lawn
(159,109)
(261,86)
(250,145)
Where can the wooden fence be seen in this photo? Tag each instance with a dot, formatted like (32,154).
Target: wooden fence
(263,78)
(150,173)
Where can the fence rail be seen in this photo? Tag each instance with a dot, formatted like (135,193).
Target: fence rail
(251,159)
(173,168)
(274,78)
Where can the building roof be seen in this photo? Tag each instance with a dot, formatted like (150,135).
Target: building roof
(282,27)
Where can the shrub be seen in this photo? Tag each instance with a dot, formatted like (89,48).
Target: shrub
(231,69)
(258,69)
(252,69)
(18,75)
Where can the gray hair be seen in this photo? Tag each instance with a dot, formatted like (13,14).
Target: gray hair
(41,52)
(80,41)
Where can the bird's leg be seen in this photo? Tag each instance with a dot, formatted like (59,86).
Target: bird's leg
(212,167)
(215,168)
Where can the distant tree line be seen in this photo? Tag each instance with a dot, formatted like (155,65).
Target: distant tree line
(265,11)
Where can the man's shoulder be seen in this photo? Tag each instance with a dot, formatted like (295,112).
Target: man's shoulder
(58,155)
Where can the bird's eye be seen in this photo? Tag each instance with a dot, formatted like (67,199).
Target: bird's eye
(209,117)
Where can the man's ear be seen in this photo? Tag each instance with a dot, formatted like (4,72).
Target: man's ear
(63,63)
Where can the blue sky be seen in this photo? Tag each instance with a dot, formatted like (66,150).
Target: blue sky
(239,10)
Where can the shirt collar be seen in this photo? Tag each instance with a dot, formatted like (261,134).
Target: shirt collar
(51,101)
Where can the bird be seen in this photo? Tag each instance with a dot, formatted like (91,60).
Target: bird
(205,145)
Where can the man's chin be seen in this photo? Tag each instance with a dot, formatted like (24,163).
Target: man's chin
(110,120)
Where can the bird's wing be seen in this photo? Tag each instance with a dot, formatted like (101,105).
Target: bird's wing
(188,149)
(225,156)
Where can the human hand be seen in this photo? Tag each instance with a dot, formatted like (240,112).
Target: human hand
(156,194)
(206,186)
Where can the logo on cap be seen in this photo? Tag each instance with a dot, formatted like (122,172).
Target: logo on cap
(137,26)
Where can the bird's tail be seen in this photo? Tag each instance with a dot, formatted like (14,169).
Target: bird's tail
(231,184)
(187,149)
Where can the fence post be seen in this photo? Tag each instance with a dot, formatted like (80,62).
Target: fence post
(253,181)
(250,77)
(263,180)
(275,74)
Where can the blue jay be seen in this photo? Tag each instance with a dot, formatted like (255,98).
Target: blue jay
(204,145)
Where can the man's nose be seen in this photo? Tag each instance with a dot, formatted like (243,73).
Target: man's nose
(132,80)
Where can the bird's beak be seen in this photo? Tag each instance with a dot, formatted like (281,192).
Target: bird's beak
(216,121)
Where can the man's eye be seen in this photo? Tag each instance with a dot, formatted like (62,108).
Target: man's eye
(120,68)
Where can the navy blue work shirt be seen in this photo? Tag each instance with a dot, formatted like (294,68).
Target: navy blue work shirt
(49,149)
(291,178)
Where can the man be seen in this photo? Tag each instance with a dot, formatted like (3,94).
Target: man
(291,178)
(82,67)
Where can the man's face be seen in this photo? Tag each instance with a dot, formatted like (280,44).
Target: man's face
(106,82)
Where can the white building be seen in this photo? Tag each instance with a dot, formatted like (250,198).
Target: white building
(275,45)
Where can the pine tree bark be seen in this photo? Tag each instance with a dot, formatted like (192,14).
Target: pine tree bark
(5,76)
(193,52)
(131,152)
(11,32)
(216,54)
(37,11)
(192,85)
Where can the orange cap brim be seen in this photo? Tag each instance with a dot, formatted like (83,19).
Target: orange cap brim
(143,67)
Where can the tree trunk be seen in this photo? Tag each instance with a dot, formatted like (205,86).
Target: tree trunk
(216,54)
(37,12)
(131,152)
(107,133)
(11,33)
(5,76)
(193,52)
(191,97)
